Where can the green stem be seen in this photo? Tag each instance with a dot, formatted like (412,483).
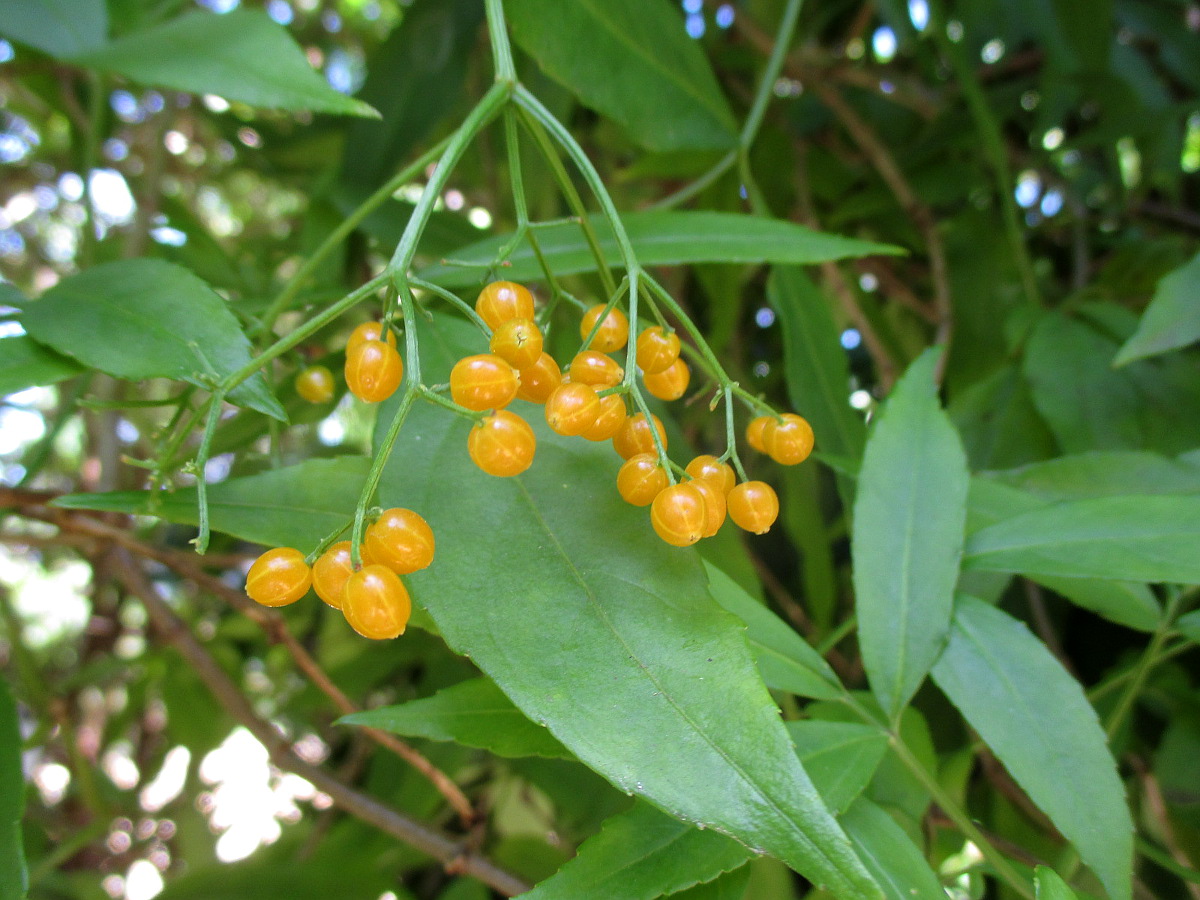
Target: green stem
(838,634)
(501,49)
(1103,690)
(731,436)
(454,300)
(91,149)
(339,234)
(692,188)
(1141,671)
(766,84)
(382,452)
(215,402)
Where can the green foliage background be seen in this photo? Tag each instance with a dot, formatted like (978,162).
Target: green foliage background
(960,238)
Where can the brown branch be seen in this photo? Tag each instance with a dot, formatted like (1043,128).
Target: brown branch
(450,853)
(1157,806)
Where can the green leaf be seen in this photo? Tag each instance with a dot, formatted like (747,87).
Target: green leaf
(474,713)
(1050,886)
(1132,538)
(295,506)
(639,67)
(616,644)
(730,886)
(641,854)
(14,879)
(659,238)
(1037,721)
(1172,320)
(25,363)
(414,79)
(57,27)
(242,56)
(785,660)
(145,318)
(908,532)
(889,854)
(1101,474)
(840,757)
(818,372)
(1189,625)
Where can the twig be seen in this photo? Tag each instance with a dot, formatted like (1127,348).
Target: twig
(1157,807)
(449,852)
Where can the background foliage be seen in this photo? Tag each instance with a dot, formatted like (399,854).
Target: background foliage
(959,238)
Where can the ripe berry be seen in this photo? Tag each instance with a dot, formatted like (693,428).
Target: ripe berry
(368,331)
(754,432)
(635,436)
(721,474)
(401,540)
(502,444)
(539,380)
(613,333)
(714,505)
(376,603)
(315,384)
(503,300)
(518,342)
(373,371)
(595,368)
(608,422)
(753,506)
(656,350)
(331,572)
(790,441)
(484,381)
(641,479)
(678,515)
(278,577)
(573,408)
(671,383)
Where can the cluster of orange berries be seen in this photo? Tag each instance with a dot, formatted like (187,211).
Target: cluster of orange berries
(373,598)
(374,368)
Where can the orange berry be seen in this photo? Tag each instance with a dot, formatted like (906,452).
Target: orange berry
(710,467)
(613,333)
(331,571)
(502,444)
(376,603)
(483,381)
(278,577)
(373,371)
(503,300)
(790,441)
(753,506)
(754,432)
(315,384)
(671,383)
(608,422)
(635,436)
(368,331)
(678,514)
(539,380)
(595,368)
(401,540)
(572,408)
(641,479)
(518,342)
(714,504)
(656,350)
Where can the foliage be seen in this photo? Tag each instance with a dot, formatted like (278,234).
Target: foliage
(956,238)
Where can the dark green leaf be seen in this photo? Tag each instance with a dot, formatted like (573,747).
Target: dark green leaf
(145,318)
(818,372)
(414,79)
(13,877)
(639,68)
(641,854)
(58,27)
(242,56)
(1050,886)
(474,713)
(1131,538)
(840,757)
(1172,320)
(616,645)
(24,363)
(998,422)
(1036,720)
(1189,625)
(660,238)
(785,660)
(730,886)
(908,531)
(889,854)
(292,507)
